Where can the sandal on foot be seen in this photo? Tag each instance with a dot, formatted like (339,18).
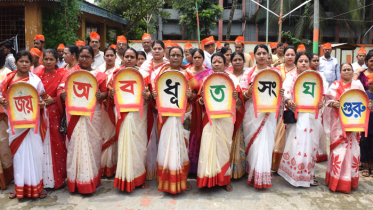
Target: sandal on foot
(43,194)
(12,194)
(365,172)
(145,185)
(315,182)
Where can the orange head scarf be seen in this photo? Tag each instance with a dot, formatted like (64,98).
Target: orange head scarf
(188,46)
(39,37)
(301,48)
(79,43)
(327,46)
(94,35)
(208,41)
(362,51)
(113,46)
(273,45)
(239,39)
(218,44)
(146,36)
(121,39)
(61,46)
(35,52)
(168,43)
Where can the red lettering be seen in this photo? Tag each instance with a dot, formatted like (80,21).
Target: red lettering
(24,104)
(128,86)
(82,86)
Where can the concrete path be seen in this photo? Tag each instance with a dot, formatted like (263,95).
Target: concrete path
(281,196)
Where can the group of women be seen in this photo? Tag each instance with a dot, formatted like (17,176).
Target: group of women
(134,149)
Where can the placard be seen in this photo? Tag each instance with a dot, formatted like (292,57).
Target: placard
(266,92)
(171,87)
(128,84)
(218,91)
(308,92)
(23,110)
(354,112)
(81,87)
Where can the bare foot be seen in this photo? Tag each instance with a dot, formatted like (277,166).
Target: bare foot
(189,187)
(228,187)
(145,185)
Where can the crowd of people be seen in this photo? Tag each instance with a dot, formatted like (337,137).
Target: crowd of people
(136,148)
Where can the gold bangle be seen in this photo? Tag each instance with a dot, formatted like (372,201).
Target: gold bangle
(200,103)
(247,97)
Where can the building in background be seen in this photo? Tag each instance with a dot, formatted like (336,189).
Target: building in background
(244,24)
(25,19)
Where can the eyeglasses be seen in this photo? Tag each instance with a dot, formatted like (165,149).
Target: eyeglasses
(176,56)
(345,70)
(84,57)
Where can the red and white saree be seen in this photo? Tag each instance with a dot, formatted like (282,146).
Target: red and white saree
(342,173)
(84,144)
(302,140)
(173,159)
(214,156)
(152,148)
(109,156)
(55,153)
(26,148)
(132,137)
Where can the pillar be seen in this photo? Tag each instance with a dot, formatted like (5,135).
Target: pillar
(33,23)
(220,33)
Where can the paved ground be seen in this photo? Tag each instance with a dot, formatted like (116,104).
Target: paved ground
(281,196)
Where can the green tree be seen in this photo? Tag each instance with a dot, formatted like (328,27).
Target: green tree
(348,16)
(61,25)
(134,11)
(209,12)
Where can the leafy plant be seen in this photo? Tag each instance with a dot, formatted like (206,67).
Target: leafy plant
(209,11)
(293,40)
(61,25)
(134,11)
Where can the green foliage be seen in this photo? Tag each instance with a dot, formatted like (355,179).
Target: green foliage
(293,40)
(112,33)
(61,25)
(209,12)
(134,11)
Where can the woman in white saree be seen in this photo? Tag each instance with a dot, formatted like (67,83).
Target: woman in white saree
(259,132)
(214,165)
(172,159)
(25,145)
(302,138)
(109,156)
(84,142)
(132,136)
(153,66)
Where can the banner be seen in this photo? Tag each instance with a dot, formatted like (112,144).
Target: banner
(128,84)
(354,112)
(308,92)
(171,87)
(218,89)
(266,92)
(23,110)
(81,87)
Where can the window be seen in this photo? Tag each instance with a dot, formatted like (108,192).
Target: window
(12,22)
(91,26)
(227,4)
